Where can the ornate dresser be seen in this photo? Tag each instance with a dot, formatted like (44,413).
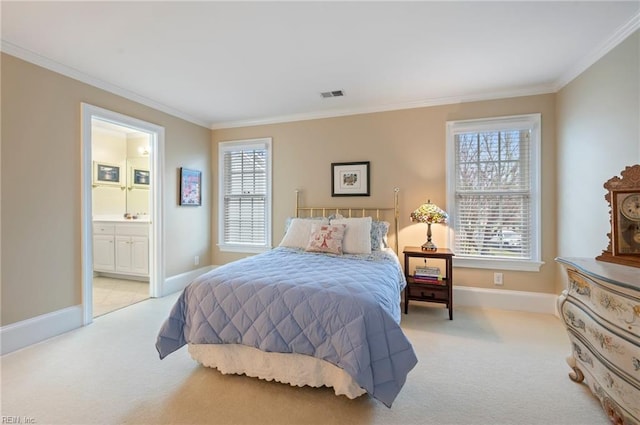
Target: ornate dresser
(601,311)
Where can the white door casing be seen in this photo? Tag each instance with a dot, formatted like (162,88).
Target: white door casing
(156,170)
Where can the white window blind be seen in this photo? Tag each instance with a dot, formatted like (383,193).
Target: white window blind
(493,189)
(245,192)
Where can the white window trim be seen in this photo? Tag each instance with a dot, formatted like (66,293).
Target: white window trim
(533,121)
(245,144)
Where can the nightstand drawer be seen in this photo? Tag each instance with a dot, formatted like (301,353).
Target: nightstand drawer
(420,292)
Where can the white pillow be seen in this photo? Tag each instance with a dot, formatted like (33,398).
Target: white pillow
(299,232)
(357,235)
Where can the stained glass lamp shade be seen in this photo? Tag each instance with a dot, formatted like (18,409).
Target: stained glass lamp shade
(431,214)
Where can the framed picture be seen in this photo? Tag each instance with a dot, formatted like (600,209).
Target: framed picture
(106,174)
(190,187)
(140,178)
(350,179)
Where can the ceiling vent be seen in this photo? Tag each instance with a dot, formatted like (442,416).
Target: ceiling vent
(335,93)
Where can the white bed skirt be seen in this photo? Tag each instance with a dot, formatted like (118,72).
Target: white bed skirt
(294,369)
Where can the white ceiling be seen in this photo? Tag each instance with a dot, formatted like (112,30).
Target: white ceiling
(223,64)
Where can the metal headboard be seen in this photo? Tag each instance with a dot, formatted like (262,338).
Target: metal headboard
(375,213)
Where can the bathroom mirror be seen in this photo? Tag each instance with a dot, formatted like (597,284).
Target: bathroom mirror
(129,149)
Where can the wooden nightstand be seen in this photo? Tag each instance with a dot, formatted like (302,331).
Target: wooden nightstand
(437,292)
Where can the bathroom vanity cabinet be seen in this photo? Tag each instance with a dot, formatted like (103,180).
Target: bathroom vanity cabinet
(121,247)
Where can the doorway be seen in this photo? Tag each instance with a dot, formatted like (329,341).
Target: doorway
(121,210)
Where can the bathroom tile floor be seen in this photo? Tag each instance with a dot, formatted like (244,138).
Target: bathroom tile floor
(111,294)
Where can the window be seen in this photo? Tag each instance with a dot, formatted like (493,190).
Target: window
(493,195)
(244,195)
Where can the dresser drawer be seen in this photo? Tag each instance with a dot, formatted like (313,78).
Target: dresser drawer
(613,304)
(605,342)
(606,383)
(601,311)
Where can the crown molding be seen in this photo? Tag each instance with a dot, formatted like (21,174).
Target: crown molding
(621,34)
(39,60)
(530,91)
(616,38)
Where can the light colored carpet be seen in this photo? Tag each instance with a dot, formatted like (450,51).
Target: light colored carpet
(484,367)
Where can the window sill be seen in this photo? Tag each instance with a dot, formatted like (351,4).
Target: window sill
(498,264)
(250,249)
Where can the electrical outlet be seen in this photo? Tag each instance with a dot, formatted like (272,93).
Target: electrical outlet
(497,279)
(196,260)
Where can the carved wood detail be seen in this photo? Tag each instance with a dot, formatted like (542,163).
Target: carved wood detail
(630,181)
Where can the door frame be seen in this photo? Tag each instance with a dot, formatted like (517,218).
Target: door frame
(156,172)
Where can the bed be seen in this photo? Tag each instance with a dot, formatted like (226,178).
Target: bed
(321,309)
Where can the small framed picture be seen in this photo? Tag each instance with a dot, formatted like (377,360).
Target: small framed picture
(190,187)
(350,179)
(106,174)
(140,178)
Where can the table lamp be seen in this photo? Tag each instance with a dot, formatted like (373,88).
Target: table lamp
(429,213)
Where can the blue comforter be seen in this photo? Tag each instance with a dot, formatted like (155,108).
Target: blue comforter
(342,309)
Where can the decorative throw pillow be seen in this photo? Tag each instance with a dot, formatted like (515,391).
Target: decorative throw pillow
(326,238)
(379,230)
(357,235)
(298,232)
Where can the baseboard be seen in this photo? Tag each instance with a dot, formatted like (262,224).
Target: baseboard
(532,302)
(122,276)
(37,329)
(27,332)
(179,282)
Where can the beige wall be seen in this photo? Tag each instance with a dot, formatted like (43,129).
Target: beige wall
(598,136)
(407,150)
(41,222)
(597,131)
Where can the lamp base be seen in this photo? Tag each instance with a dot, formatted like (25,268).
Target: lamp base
(429,246)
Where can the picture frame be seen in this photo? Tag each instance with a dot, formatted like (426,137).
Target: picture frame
(107,174)
(140,177)
(350,178)
(190,187)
